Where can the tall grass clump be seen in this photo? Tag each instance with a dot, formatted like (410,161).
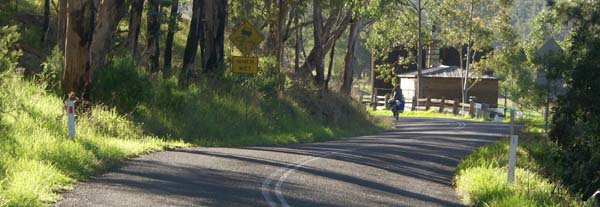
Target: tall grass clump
(481,178)
(37,160)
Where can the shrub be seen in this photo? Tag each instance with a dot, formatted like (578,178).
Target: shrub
(121,85)
(53,71)
(9,53)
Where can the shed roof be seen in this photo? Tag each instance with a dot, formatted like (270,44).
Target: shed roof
(442,71)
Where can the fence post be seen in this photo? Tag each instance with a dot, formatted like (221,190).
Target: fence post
(374,100)
(456,106)
(443,104)
(414,104)
(472,109)
(428,103)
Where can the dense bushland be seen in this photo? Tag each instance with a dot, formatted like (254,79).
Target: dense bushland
(576,122)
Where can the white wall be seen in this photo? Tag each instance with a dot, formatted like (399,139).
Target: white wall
(408,88)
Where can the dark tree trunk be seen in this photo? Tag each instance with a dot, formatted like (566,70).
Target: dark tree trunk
(153,36)
(62,24)
(348,76)
(283,10)
(213,37)
(324,35)
(169,41)
(109,15)
(135,19)
(77,77)
(46,25)
(191,47)
(298,47)
(331,60)
(318,48)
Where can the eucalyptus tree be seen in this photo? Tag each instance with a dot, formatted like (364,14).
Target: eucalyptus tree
(212,37)
(61,24)
(191,46)
(471,24)
(46,24)
(135,22)
(87,41)
(153,35)
(173,19)
(363,15)
(400,24)
(325,32)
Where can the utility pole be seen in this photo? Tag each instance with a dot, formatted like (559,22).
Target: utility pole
(468,64)
(373,95)
(419,53)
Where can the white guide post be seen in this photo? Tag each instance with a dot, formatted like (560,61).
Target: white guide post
(70,105)
(512,156)
(512,160)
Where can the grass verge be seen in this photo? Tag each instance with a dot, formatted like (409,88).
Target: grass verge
(37,160)
(481,178)
(425,114)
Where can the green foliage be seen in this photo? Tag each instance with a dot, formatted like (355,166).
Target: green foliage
(522,14)
(481,178)
(53,71)
(120,84)
(9,54)
(37,160)
(576,122)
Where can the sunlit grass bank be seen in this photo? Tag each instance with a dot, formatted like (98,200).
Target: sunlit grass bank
(481,178)
(37,159)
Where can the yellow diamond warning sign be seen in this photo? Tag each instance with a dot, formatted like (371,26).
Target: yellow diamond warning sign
(246,38)
(245,65)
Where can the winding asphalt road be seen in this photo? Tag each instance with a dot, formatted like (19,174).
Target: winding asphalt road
(410,166)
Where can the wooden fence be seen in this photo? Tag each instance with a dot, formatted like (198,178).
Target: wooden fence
(443,106)
(440,105)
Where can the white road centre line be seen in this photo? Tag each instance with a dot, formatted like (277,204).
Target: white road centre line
(285,172)
(267,182)
(461,125)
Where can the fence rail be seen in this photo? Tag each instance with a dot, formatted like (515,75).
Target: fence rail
(442,105)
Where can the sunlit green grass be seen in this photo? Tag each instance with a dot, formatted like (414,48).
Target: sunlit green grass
(424,114)
(481,178)
(37,160)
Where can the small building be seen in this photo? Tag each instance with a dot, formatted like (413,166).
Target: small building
(446,81)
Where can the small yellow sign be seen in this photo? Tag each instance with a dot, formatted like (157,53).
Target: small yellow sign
(246,38)
(245,65)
